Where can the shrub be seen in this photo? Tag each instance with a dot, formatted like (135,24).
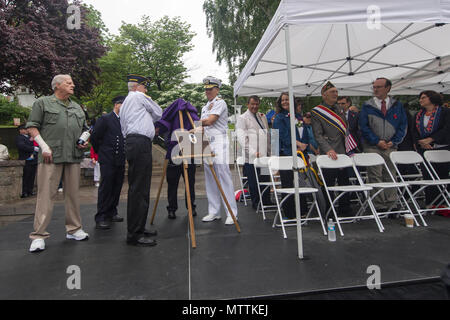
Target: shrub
(11,110)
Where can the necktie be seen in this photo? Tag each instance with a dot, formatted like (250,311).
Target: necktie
(383,107)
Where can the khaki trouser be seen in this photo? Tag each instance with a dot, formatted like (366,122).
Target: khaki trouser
(47,184)
(377,174)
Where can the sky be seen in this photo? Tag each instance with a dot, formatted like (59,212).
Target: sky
(201,61)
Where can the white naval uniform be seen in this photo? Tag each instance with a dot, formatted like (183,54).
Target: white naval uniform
(219,145)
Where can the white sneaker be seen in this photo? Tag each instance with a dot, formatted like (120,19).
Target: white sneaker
(211,217)
(229,220)
(60,190)
(97,184)
(80,235)
(37,245)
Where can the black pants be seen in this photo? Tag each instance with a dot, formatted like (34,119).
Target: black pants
(249,172)
(287,181)
(342,178)
(29,175)
(109,191)
(173,177)
(139,156)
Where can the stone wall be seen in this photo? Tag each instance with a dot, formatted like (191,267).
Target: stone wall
(11,179)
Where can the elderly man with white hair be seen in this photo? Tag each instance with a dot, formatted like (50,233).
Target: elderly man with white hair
(56,124)
(137,116)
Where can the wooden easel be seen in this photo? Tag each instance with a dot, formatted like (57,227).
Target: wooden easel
(185,159)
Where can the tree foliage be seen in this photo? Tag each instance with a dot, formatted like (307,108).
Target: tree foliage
(158,49)
(236,27)
(148,48)
(11,110)
(195,94)
(36,44)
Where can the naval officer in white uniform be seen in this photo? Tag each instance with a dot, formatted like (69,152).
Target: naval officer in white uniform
(214,120)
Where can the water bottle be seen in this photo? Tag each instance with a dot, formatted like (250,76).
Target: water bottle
(331,231)
(84,137)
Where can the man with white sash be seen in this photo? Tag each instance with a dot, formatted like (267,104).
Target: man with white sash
(331,132)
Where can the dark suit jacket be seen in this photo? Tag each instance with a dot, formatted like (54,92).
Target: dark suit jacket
(441,135)
(353,126)
(107,140)
(25,148)
(328,136)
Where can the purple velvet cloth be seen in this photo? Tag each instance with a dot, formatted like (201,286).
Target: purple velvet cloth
(170,121)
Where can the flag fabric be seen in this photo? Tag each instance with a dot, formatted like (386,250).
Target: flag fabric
(335,120)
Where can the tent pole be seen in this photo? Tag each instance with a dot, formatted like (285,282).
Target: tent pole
(293,141)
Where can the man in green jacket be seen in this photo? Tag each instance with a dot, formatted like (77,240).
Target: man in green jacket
(56,124)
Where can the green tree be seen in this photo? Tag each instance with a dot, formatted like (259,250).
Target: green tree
(159,48)
(195,94)
(10,110)
(236,27)
(151,49)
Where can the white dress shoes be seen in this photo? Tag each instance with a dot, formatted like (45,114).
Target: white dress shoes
(229,220)
(211,217)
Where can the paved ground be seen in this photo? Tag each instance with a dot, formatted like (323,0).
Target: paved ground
(20,209)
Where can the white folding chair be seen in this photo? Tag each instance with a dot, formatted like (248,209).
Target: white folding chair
(242,180)
(434,157)
(286,163)
(412,157)
(262,164)
(364,160)
(343,161)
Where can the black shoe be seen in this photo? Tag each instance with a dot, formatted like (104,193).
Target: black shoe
(172,215)
(149,233)
(117,218)
(24,195)
(103,225)
(141,242)
(194,213)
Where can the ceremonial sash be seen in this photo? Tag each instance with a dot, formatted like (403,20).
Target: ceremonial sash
(336,121)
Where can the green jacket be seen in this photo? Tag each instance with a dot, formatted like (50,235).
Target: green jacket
(60,126)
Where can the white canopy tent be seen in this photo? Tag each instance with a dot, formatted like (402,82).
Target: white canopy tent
(350,43)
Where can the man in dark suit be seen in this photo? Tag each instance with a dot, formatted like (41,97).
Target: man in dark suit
(27,152)
(352,117)
(107,141)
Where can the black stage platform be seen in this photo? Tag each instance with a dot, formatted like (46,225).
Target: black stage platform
(258,263)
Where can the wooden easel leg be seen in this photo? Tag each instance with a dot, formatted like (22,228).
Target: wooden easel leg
(189,203)
(224,197)
(166,163)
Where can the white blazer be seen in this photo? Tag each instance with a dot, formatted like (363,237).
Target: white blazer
(251,137)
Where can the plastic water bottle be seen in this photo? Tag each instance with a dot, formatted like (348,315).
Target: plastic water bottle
(331,231)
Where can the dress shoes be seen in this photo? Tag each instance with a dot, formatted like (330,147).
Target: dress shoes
(194,213)
(117,218)
(211,217)
(149,233)
(103,225)
(141,242)
(172,215)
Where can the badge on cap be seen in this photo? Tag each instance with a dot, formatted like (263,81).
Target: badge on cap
(145,81)
(211,82)
(327,86)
